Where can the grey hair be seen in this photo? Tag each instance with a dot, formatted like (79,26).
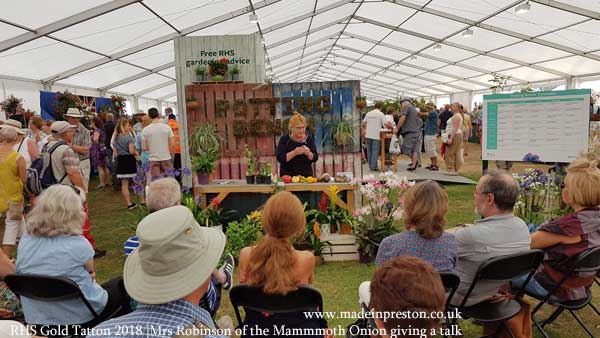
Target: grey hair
(163,193)
(504,188)
(57,211)
(8,135)
(109,117)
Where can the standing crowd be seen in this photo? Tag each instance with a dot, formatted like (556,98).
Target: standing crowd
(417,131)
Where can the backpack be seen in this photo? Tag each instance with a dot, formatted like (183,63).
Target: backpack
(40,175)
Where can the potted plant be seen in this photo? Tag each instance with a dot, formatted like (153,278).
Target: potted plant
(378,219)
(342,133)
(235,73)
(318,247)
(205,146)
(361,102)
(217,69)
(191,103)
(215,216)
(251,168)
(200,72)
(265,177)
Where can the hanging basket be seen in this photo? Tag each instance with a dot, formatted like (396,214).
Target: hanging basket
(193,105)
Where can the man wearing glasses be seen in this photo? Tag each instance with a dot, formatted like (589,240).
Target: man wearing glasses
(499,232)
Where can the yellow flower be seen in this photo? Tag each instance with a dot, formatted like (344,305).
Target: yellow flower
(254,216)
(333,193)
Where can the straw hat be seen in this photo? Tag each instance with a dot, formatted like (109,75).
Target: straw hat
(74,112)
(175,256)
(10,123)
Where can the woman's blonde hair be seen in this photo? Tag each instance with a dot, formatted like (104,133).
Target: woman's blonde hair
(272,260)
(8,135)
(296,120)
(57,211)
(120,129)
(425,208)
(583,182)
(146,121)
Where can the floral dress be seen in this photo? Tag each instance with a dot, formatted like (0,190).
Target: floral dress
(98,152)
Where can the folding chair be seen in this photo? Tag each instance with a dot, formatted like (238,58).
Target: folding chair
(256,303)
(503,268)
(451,282)
(587,261)
(50,289)
(597,281)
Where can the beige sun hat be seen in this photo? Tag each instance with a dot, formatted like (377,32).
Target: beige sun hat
(60,127)
(140,112)
(175,256)
(10,123)
(74,112)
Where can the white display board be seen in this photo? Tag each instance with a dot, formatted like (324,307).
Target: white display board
(537,126)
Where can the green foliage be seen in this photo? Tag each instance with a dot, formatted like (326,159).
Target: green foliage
(240,235)
(200,70)
(235,70)
(205,146)
(64,101)
(499,82)
(318,246)
(251,169)
(218,78)
(342,133)
(370,235)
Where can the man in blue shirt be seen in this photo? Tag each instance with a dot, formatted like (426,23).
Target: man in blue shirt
(432,124)
(168,274)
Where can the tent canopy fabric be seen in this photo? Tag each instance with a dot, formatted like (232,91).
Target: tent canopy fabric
(413,47)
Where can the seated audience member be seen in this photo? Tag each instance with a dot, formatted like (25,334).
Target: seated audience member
(10,307)
(273,263)
(168,275)
(425,208)
(54,246)
(498,233)
(563,239)
(407,284)
(164,193)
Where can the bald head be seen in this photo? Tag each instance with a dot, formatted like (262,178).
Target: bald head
(502,185)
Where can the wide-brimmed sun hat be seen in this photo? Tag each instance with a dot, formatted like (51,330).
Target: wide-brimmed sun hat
(140,112)
(74,112)
(10,123)
(175,257)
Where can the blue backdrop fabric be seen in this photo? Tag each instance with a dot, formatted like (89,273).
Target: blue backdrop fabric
(102,102)
(47,105)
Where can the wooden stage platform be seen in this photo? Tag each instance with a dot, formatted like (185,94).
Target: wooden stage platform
(422,174)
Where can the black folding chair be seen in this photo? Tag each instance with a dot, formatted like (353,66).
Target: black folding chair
(597,281)
(587,261)
(253,299)
(50,289)
(503,268)
(451,282)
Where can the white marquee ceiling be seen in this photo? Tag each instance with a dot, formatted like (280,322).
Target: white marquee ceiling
(126,46)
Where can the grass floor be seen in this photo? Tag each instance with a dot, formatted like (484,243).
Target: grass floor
(112,224)
(338,282)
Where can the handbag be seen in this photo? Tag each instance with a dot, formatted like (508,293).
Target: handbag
(396,145)
(520,324)
(445,137)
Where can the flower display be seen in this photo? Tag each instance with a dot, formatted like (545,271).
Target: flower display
(530,157)
(539,196)
(382,210)
(218,67)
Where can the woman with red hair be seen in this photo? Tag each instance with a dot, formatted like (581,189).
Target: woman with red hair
(297,151)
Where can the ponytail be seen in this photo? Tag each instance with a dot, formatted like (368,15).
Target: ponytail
(270,262)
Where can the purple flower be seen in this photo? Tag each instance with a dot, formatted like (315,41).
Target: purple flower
(199,200)
(186,172)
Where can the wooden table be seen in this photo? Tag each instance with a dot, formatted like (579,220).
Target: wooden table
(239,186)
(384,135)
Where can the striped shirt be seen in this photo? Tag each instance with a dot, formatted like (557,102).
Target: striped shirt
(160,320)
(211,299)
(82,138)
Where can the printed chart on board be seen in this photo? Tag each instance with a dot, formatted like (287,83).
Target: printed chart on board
(536,126)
